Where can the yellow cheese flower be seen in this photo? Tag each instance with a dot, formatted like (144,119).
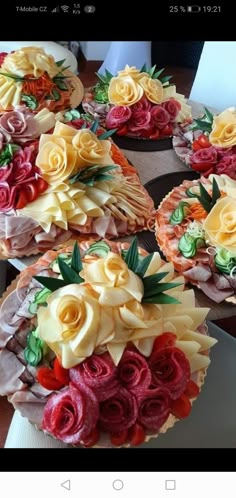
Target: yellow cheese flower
(124,91)
(56,158)
(220,225)
(112,280)
(10,92)
(153,89)
(73,324)
(224,129)
(131,71)
(90,150)
(30,60)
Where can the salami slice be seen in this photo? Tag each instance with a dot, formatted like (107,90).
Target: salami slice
(170,369)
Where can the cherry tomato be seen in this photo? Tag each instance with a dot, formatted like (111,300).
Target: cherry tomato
(201,167)
(47,379)
(61,374)
(122,131)
(22,199)
(136,434)
(41,184)
(119,438)
(166,131)
(155,135)
(192,390)
(31,191)
(181,407)
(164,340)
(203,141)
(92,439)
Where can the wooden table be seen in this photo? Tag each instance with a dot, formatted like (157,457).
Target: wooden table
(149,166)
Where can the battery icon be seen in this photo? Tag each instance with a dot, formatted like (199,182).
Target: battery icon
(193,8)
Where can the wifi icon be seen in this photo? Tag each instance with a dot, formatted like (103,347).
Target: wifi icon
(65,8)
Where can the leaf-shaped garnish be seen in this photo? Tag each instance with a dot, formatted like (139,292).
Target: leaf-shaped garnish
(131,257)
(205,199)
(76,263)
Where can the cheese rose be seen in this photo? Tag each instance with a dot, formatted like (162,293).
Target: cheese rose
(73,324)
(30,60)
(124,91)
(153,89)
(220,225)
(56,158)
(90,150)
(111,278)
(131,71)
(224,129)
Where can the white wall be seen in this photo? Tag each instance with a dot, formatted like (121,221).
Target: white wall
(94,50)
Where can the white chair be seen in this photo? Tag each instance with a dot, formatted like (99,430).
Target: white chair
(215,81)
(52,48)
(121,53)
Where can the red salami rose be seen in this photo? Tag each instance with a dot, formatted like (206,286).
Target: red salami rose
(118,412)
(6,173)
(154,408)
(170,368)
(97,372)
(117,116)
(227,166)
(71,414)
(173,107)
(133,372)
(159,116)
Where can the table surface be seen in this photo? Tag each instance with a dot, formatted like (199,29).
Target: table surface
(149,166)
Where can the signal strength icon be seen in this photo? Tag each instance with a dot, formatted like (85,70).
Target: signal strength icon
(65,8)
(55,10)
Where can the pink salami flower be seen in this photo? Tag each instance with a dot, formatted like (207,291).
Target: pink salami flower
(142,105)
(139,121)
(117,116)
(207,155)
(173,107)
(21,126)
(97,372)
(7,197)
(170,369)
(159,117)
(227,166)
(71,414)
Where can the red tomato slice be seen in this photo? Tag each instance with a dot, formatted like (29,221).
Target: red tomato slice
(164,341)
(196,146)
(41,185)
(203,141)
(61,374)
(181,407)
(192,390)
(92,439)
(119,438)
(155,135)
(31,191)
(167,131)
(136,434)
(122,131)
(201,167)
(47,379)
(22,200)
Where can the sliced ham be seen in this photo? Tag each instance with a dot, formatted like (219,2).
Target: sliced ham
(10,371)
(221,281)
(209,288)
(28,405)
(199,273)
(7,315)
